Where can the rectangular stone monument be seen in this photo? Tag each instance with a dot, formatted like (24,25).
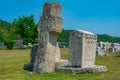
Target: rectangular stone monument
(49,27)
(82,48)
(82,53)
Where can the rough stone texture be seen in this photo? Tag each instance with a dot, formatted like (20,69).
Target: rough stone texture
(57,54)
(33,53)
(82,46)
(100,52)
(61,63)
(83,70)
(52,9)
(50,19)
(49,27)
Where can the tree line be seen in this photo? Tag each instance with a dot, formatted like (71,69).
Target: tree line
(25,28)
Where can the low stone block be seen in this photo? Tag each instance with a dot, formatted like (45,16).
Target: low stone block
(83,70)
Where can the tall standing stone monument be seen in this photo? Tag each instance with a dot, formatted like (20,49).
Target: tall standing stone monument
(49,27)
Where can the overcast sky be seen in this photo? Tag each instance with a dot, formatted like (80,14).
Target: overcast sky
(97,16)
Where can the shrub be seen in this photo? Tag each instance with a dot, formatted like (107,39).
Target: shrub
(9,43)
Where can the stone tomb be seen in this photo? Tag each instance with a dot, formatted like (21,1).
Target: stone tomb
(82,48)
(82,52)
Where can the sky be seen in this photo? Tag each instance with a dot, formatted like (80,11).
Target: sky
(96,16)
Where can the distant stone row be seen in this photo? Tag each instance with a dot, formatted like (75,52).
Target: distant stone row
(106,46)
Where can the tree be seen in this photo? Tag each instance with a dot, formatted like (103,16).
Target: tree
(26,28)
(4,29)
(6,34)
(64,36)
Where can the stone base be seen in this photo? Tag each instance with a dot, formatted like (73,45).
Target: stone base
(28,67)
(83,70)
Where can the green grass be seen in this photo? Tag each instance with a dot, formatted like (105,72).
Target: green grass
(12,61)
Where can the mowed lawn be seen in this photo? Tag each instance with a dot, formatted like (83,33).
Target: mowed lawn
(12,61)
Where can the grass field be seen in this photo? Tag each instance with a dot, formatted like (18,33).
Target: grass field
(12,61)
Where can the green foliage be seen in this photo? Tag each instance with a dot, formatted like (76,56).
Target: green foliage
(108,38)
(9,43)
(28,40)
(25,27)
(6,34)
(64,36)
(5,28)
(21,28)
